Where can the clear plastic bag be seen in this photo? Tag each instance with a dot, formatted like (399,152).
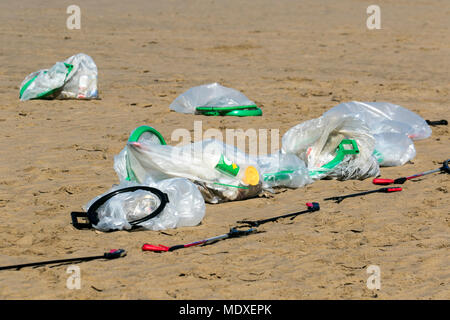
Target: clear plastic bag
(186,206)
(317,141)
(222,172)
(209,95)
(394,127)
(75,78)
(277,170)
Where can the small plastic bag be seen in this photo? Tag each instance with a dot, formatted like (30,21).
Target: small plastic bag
(283,170)
(318,141)
(212,96)
(75,78)
(186,206)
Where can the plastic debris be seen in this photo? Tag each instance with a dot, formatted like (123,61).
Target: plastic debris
(215,100)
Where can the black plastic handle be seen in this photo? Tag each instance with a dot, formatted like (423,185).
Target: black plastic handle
(442,122)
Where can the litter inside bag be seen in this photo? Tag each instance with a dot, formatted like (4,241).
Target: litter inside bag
(186,206)
(333,146)
(75,78)
(392,126)
(221,171)
(214,99)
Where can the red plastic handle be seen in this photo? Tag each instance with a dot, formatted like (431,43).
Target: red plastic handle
(383,181)
(394,189)
(151,247)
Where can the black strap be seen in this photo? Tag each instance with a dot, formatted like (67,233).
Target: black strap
(92,214)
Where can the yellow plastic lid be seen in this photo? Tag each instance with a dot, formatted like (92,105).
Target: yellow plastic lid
(251,176)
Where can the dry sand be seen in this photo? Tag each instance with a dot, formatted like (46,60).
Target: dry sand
(296,60)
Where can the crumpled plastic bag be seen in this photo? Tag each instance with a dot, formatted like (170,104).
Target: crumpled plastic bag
(186,206)
(394,127)
(209,95)
(75,78)
(315,142)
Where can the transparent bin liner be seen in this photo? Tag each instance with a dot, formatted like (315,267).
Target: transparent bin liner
(75,78)
(196,161)
(209,95)
(186,206)
(276,170)
(82,83)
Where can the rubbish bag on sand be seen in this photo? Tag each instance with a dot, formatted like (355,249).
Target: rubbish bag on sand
(185,206)
(214,99)
(333,146)
(393,127)
(75,78)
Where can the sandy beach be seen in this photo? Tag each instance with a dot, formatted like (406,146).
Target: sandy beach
(295,60)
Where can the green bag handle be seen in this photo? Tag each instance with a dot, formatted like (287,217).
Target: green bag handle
(238,111)
(134,137)
(341,152)
(137,133)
